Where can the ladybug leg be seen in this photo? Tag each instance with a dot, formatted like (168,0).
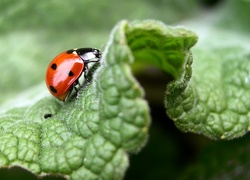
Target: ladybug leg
(86,69)
(76,89)
(75,84)
(69,92)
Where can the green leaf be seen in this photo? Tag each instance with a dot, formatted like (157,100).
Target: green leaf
(89,137)
(214,101)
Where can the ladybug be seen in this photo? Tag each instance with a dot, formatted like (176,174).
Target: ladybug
(65,69)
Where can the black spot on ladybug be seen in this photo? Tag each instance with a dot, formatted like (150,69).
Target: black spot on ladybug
(47,116)
(53,89)
(70,73)
(70,51)
(53,66)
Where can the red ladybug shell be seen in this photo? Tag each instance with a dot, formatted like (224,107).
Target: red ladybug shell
(63,71)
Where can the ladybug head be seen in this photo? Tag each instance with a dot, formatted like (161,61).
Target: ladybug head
(97,53)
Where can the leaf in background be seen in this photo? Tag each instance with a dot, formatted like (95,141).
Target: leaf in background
(90,137)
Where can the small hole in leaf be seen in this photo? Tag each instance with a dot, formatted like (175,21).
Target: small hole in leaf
(47,116)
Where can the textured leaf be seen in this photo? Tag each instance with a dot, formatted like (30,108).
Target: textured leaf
(89,137)
(214,102)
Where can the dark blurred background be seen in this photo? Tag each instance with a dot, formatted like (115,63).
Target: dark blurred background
(33,32)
